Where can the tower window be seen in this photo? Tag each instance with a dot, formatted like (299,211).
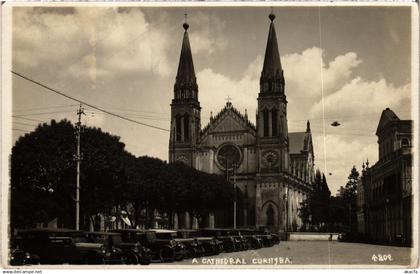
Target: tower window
(266,124)
(186,127)
(274,122)
(405,142)
(178,128)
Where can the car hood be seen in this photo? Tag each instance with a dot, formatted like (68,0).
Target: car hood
(90,246)
(179,240)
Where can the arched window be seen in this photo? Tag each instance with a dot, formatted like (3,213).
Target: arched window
(178,130)
(274,122)
(405,142)
(266,124)
(186,127)
(270,215)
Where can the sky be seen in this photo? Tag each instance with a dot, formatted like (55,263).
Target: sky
(340,63)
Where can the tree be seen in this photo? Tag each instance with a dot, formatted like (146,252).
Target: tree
(348,194)
(43,174)
(315,210)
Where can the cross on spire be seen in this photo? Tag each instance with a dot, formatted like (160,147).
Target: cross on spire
(228,102)
(185,15)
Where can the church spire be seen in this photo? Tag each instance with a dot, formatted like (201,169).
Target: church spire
(272,79)
(186,82)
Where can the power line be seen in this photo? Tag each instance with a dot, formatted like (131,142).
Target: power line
(40,113)
(18,129)
(87,104)
(39,108)
(29,119)
(25,124)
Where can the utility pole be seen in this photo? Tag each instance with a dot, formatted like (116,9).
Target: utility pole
(78,160)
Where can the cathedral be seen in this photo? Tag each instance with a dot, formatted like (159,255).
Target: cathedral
(272,168)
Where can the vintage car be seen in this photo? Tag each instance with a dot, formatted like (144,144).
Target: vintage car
(266,237)
(18,256)
(162,250)
(254,241)
(275,238)
(58,246)
(130,253)
(230,244)
(182,247)
(243,242)
(204,245)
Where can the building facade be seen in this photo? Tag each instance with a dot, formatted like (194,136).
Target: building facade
(272,168)
(387,195)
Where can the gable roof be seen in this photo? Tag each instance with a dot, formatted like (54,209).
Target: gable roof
(228,110)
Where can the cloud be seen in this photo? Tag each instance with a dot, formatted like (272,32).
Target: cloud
(214,88)
(89,43)
(206,33)
(303,72)
(361,97)
(341,156)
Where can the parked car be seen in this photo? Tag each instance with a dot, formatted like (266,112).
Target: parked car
(275,238)
(129,253)
(163,251)
(229,243)
(254,241)
(266,238)
(242,242)
(205,245)
(58,246)
(18,256)
(182,246)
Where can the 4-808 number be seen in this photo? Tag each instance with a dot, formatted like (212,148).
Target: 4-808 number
(381,257)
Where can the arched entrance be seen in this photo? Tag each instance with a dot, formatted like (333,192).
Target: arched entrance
(270,214)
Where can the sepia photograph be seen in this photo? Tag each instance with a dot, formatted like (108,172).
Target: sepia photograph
(194,135)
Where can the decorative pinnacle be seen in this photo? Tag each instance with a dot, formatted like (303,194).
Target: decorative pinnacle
(272,17)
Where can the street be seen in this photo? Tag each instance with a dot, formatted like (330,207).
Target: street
(311,253)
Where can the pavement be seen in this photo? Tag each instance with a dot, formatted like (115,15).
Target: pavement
(317,253)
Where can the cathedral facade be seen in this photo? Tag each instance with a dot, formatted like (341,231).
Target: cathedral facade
(272,168)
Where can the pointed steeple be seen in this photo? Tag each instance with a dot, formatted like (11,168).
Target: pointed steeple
(186,82)
(272,79)
(308,126)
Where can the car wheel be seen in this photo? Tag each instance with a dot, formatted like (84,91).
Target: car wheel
(94,259)
(144,261)
(130,258)
(166,255)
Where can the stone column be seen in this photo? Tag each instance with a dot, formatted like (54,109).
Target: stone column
(211,220)
(194,223)
(258,206)
(175,218)
(187,220)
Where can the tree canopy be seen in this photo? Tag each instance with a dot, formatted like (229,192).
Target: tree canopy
(43,180)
